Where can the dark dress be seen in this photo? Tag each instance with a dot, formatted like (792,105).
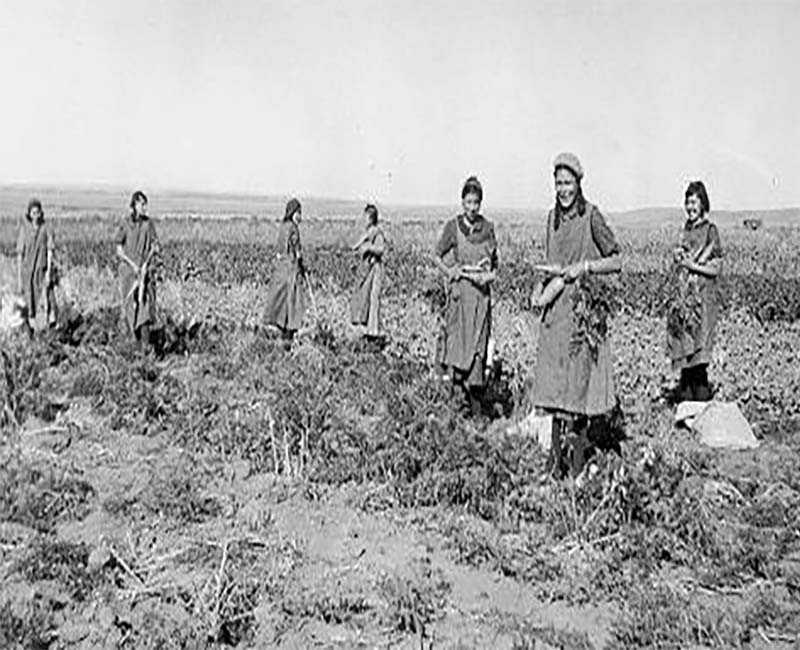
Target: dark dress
(139,242)
(468,315)
(365,305)
(286,299)
(34,243)
(690,349)
(569,380)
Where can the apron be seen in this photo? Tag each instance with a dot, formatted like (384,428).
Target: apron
(286,300)
(567,379)
(687,349)
(365,305)
(33,244)
(138,240)
(468,314)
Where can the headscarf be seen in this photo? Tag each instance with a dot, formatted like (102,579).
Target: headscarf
(571,162)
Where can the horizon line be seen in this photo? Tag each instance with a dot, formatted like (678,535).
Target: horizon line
(178,191)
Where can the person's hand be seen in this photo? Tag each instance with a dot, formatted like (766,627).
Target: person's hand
(678,255)
(481,278)
(454,273)
(574,271)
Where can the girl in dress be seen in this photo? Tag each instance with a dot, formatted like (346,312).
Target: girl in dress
(138,250)
(286,299)
(470,240)
(573,384)
(698,263)
(365,305)
(35,276)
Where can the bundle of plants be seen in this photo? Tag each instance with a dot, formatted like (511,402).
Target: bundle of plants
(594,301)
(682,303)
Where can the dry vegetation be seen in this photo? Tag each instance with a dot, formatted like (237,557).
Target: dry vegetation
(224,491)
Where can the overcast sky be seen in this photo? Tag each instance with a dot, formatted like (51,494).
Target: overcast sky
(400,101)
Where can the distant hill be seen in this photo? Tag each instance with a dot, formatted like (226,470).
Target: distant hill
(113,201)
(649,217)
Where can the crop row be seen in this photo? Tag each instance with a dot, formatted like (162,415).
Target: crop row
(764,296)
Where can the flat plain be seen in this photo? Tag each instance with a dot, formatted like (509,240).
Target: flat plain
(227,492)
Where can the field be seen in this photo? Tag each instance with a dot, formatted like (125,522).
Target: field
(227,492)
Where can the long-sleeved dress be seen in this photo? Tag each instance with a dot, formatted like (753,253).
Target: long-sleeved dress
(34,243)
(286,297)
(365,305)
(689,349)
(570,380)
(139,242)
(468,317)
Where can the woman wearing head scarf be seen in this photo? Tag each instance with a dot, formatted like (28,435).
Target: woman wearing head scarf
(690,327)
(138,250)
(365,305)
(572,382)
(35,277)
(470,240)
(286,300)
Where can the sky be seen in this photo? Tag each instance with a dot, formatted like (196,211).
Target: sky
(400,101)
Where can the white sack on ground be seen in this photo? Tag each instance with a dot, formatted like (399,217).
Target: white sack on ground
(722,425)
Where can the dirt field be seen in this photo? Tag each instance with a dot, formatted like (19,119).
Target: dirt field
(227,492)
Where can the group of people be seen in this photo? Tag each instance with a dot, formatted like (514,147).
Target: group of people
(574,386)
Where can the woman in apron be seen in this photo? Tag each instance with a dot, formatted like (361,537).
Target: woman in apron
(470,240)
(35,277)
(138,250)
(572,383)
(697,261)
(365,305)
(286,300)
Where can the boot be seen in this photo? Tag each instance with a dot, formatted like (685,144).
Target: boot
(700,387)
(555,459)
(578,444)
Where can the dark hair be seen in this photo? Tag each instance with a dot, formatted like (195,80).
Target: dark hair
(580,204)
(696,188)
(292,206)
(372,211)
(137,196)
(33,203)
(472,186)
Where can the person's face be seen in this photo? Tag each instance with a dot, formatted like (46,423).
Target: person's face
(36,214)
(471,204)
(367,219)
(694,207)
(297,217)
(566,187)
(140,207)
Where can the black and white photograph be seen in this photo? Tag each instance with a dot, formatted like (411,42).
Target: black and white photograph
(396,325)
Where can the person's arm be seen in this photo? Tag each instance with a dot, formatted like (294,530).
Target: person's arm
(121,254)
(489,274)
(446,243)
(296,248)
(48,274)
(20,253)
(611,254)
(711,269)
(707,262)
(120,250)
(360,241)
(377,246)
